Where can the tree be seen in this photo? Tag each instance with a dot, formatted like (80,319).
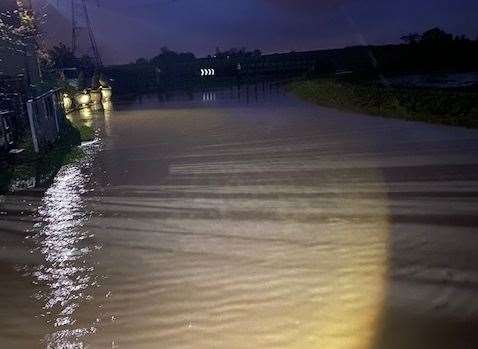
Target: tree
(62,56)
(436,36)
(168,57)
(411,39)
(141,61)
(86,64)
(437,50)
(237,53)
(20,40)
(19,27)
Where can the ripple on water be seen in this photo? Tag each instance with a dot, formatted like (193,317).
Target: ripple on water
(202,272)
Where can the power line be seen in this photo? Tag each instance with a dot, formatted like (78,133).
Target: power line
(81,20)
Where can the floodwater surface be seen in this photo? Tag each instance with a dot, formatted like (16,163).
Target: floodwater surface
(247,219)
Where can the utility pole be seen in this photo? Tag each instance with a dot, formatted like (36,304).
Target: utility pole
(80,20)
(75,28)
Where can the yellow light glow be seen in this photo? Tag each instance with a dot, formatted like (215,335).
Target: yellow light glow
(86,115)
(67,102)
(108,111)
(83,99)
(106,93)
(95,96)
(108,106)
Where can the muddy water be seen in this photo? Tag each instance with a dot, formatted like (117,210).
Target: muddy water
(247,219)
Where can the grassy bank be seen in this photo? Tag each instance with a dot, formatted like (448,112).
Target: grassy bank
(449,107)
(87,133)
(42,167)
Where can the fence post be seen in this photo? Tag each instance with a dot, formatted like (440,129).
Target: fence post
(32,125)
(44,109)
(3,133)
(55,112)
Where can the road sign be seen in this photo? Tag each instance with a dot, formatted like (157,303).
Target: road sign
(208,72)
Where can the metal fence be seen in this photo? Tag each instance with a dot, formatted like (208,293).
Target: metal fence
(13,116)
(46,118)
(6,130)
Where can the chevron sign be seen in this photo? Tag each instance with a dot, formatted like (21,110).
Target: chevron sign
(208,72)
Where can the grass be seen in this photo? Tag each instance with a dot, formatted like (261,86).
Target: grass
(449,107)
(45,165)
(87,133)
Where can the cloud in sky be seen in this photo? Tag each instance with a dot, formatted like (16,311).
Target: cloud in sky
(307,5)
(128,29)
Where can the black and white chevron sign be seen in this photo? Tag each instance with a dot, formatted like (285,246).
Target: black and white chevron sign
(208,72)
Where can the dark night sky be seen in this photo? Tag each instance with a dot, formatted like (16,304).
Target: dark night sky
(128,29)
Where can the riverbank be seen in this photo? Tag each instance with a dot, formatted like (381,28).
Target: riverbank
(29,169)
(455,107)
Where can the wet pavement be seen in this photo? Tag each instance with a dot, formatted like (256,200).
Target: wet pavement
(247,219)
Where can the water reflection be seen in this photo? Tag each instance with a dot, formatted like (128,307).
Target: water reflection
(208,96)
(66,248)
(108,106)
(108,112)
(86,116)
(247,93)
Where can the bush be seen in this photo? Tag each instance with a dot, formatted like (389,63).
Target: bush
(451,107)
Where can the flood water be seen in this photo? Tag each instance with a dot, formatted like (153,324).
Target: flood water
(247,219)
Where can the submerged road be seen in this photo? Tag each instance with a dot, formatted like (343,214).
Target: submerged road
(247,219)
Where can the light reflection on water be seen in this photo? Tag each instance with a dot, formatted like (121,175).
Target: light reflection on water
(240,231)
(108,111)
(66,248)
(86,116)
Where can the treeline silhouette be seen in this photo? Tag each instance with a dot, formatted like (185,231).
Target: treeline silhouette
(429,52)
(168,57)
